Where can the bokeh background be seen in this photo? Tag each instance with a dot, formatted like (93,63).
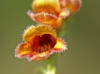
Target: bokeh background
(82,36)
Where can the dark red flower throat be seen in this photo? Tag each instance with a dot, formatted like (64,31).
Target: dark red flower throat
(43,43)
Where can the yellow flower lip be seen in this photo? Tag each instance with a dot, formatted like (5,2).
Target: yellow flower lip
(51,6)
(39,30)
(39,43)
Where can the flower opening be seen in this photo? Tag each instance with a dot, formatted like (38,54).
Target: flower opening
(39,43)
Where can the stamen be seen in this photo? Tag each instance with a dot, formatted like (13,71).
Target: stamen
(41,49)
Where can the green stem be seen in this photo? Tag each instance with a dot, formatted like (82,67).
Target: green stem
(51,64)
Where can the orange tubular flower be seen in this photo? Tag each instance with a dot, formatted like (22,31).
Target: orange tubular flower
(48,12)
(39,43)
(72,5)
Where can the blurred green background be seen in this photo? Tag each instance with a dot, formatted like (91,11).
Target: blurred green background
(82,36)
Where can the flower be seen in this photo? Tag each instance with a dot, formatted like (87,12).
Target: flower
(39,43)
(48,12)
(72,5)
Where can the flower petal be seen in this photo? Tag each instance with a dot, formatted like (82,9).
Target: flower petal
(39,56)
(51,6)
(60,46)
(49,19)
(22,50)
(38,30)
